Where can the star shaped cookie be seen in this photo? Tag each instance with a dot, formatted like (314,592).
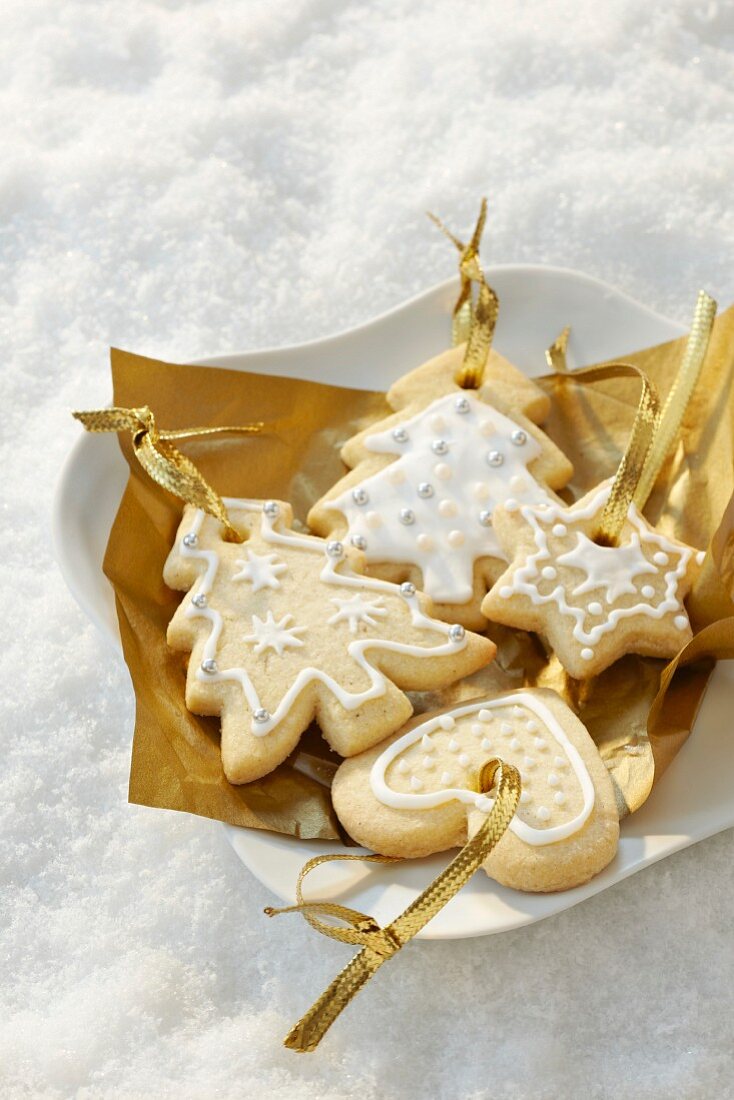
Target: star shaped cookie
(594,603)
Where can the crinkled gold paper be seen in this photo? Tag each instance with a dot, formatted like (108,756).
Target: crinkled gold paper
(639,711)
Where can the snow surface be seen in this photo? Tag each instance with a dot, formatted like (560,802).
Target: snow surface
(189,178)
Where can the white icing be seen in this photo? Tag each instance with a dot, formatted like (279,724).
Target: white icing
(355,610)
(445,535)
(335,571)
(612,570)
(406,800)
(262,570)
(269,634)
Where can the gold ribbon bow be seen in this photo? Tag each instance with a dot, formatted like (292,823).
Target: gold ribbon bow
(380,944)
(473,321)
(653,431)
(164,462)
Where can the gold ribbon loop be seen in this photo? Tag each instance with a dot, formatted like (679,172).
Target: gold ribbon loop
(379,944)
(653,433)
(473,322)
(163,462)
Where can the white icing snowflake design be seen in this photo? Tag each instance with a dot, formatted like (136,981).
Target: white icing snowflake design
(262,570)
(356,610)
(269,634)
(432,507)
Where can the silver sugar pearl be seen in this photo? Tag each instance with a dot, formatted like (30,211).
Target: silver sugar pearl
(425,489)
(485,517)
(334,548)
(457,632)
(360,496)
(461,405)
(495,458)
(400,435)
(190,539)
(407,588)
(440,447)
(261,715)
(359,541)
(519,437)
(199,600)
(209,665)
(407,516)
(271,508)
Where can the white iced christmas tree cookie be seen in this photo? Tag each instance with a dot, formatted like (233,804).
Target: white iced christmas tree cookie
(282,629)
(419,792)
(594,603)
(425,482)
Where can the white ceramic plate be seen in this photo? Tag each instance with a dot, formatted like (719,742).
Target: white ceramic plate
(696,798)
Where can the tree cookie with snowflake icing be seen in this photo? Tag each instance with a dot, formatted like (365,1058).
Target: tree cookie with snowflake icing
(282,628)
(424,482)
(594,603)
(419,792)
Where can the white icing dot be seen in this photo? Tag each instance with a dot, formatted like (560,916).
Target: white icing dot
(442,471)
(373,520)
(426,742)
(437,422)
(485,715)
(518,712)
(559,798)
(505,591)
(446,778)
(477,729)
(428,763)
(518,484)
(446,508)
(529,762)
(424,542)
(648,591)
(540,744)
(681,621)
(481,490)
(700,557)
(403,766)
(559,530)
(464,760)
(587,653)
(486,744)
(515,743)
(595,608)
(553,780)
(543,813)
(416,783)
(531,725)
(446,722)
(560,761)
(487,428)
(454,745)
(456,539)
(660,558)
(524,796)
(506,728)
(511,505)
(549,573)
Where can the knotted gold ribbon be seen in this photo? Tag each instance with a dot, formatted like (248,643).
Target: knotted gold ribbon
(164,462)
(473,321)
(380,944)
(653,432)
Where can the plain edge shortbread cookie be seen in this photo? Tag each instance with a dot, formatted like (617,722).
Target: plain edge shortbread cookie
(283,628)
(416,832)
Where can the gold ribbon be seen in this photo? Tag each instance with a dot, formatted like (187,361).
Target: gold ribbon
(164,462)
(380,944)
(653,432)
(473,321)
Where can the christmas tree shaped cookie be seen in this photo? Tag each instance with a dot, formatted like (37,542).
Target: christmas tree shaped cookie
(283,629)
(594,603)
(419,499)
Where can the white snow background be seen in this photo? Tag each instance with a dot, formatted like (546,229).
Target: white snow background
(182,179)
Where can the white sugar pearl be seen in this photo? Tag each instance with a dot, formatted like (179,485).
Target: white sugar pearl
(416,783)
(485,517)
(495,458)
(681,622)
(425,489)
(407,516)
(549,573)
(209,666)
(595,608)
(199,600)
(464,760)
(456,539)
(407,588)
(400,435)
(360,496)
(648,591)
(442,471)
(519,437)
(559,530)
(559,798)
(587,653)
(446,508)
(543,813)
(461,404)
(440,447)
(271,508)
(660,558)
(190,540)
(553,780)
(424,542)
(446,722)
(511,505)
(485,715)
